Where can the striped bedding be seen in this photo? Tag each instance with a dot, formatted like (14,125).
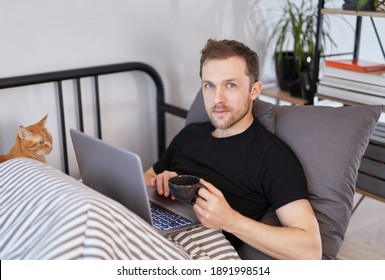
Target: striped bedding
(45,214)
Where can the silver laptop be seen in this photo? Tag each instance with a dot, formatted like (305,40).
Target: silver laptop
(118,174)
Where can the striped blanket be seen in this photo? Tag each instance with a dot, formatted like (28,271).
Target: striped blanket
(45,214)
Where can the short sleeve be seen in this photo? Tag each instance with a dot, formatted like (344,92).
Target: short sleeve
(283,178)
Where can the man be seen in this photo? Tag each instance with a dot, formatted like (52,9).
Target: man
(245,168)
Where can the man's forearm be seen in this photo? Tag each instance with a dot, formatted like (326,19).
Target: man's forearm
(277,242)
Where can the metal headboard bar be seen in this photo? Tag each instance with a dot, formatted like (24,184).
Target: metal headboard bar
(62,123)
(80,102)
(97,104)
(75,74)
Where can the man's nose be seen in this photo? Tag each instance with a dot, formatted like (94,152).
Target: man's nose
(219,95)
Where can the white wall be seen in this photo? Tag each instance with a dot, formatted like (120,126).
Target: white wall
(46,35)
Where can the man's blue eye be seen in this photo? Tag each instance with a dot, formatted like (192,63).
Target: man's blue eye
(208,86)
(231,85)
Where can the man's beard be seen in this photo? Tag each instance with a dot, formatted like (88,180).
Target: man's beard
(230,120)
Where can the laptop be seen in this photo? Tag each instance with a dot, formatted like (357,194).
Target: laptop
(118,174)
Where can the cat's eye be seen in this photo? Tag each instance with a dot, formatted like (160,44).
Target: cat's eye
(41,142)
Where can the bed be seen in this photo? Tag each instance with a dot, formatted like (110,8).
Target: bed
(47,214)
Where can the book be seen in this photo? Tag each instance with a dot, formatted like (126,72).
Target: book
(349,95)
(375,78)
(353,85)
(356,65)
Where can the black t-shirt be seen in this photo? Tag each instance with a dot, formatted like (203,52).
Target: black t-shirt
(254,169)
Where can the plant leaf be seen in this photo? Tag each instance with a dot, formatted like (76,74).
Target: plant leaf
(361,4)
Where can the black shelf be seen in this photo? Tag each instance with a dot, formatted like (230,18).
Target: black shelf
(356,47)
(371,176)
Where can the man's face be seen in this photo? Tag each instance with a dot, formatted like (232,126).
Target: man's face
(228,94)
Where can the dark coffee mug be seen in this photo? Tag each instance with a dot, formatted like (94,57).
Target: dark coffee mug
(184,187)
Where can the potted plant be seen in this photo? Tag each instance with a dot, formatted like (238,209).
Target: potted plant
(364,5)
(293,32)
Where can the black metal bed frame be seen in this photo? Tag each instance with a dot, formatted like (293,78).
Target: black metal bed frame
(58,77)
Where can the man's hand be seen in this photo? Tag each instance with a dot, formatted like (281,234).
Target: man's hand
(298,238)
(160,181)
(211,207)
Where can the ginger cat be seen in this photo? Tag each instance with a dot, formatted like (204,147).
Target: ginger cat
(33,141)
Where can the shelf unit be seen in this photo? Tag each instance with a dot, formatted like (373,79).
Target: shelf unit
(280,95)
(318,47)
(371,176)
(352,13)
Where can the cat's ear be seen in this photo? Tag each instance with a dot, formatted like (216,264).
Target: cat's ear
(42,121)
(23,132)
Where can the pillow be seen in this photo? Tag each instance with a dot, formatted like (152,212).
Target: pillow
(263,111)
(45,214)
(329,143)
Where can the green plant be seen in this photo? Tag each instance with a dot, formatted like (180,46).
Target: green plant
(374,4)
(361,4)
(295,30)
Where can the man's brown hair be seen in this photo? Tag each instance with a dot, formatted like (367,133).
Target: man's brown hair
(228,48)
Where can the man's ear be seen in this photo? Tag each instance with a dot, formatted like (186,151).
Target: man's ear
(256,90)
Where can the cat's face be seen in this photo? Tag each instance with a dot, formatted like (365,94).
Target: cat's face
(36,139)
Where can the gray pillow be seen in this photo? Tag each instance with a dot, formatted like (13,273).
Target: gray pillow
(330,143)
(263,111)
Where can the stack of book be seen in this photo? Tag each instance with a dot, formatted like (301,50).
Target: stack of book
(358,81)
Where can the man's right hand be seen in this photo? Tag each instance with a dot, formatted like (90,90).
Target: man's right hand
(159,181)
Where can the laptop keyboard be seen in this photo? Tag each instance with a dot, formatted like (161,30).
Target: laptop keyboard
(164,219)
